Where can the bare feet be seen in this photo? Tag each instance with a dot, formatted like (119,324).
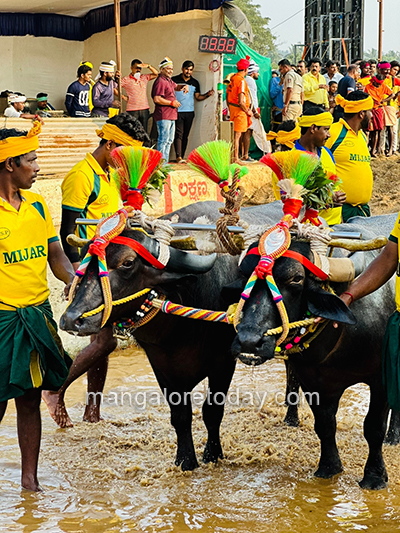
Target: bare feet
(57,409)
(92,414)
(30,483)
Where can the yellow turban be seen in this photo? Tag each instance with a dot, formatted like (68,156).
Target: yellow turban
(285,137)
(15,146)
(355,106)
(109,132)
(323,119)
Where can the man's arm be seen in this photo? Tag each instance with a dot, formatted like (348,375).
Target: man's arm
(242,103)
(288,97)
(68,227)
(154,71)
(160,100)
(59,263)
(68,102)
(199,97)
(377,274)
(182,87)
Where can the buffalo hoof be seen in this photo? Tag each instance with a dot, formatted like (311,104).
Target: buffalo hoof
(187,463)
(328,471)
(392,437)
(212,452)
(373,482)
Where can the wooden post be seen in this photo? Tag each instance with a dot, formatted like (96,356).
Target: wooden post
(346,57)
(380,30)
(117,15)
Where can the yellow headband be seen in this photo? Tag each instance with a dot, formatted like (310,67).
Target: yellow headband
(109,132)
(15,146)
(323,119)
(355,106)
(285,137)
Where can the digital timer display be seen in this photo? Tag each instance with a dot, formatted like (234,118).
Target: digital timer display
(217,45)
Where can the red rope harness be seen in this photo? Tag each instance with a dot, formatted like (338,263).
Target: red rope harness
(140,249)
(301,259)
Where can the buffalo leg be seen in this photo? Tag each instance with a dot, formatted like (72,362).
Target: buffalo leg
(325,427)
(213,412)
(393,434)
(375,475)
(181,419)
(292,386)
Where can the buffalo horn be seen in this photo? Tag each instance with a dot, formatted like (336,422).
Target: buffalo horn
(188,263)
(77,242)
(359,246)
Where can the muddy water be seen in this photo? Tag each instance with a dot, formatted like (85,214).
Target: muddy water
(118,476)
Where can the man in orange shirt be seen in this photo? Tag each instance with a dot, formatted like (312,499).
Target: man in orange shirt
(238,99)
(377,89)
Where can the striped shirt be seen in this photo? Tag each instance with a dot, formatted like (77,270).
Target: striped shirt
(136,91)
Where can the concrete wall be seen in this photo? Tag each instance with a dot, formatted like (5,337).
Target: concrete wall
(39,64)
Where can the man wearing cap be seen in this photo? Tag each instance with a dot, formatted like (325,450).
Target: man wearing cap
(253,73)
(135,86)
(238,99)
(314,126)
(104,90)
(166,106)
(293,95)
(31,353)
(43,106)
(185,118)
(349,146)
(89,192)
(17,104)
(77,100)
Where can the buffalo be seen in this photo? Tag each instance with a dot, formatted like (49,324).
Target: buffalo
(339,357)
(182,352)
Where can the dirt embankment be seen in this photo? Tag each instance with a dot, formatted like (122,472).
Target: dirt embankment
(386,192)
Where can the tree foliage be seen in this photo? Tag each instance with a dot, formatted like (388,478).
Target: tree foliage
(264,41)
(391,55)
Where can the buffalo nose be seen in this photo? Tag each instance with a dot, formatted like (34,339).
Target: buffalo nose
(70,321)
(250,338)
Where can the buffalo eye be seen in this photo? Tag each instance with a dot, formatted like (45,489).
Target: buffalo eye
(128,263)
(297,279)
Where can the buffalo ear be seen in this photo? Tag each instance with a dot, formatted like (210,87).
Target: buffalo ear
(327,305)
(231,293)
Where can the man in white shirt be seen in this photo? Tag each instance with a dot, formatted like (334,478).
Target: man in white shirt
(332,72)
(253,74)
(16,107)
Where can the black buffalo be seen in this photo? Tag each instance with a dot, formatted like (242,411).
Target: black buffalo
(182,352)
(338,358)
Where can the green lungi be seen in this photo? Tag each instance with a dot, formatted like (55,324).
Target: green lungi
(391,361)
(349,211)
(31,352)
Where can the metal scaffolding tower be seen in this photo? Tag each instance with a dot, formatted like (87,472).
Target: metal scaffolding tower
(329,25)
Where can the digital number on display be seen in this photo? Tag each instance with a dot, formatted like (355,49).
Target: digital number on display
(217,45)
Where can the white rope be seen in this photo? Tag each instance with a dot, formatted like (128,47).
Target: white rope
(319,236)
(252,233)
(162,229)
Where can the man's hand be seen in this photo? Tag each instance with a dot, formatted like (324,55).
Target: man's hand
(117,75)
(210,93)
(185,89)
(249,113)
(143,65)
(176,104)
(284,110)
(256,115)
(116,103)
(339,198)
(323,86)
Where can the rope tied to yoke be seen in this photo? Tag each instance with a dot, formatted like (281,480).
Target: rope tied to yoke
(233,201)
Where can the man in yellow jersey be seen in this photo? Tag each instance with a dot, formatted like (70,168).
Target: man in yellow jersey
(88,192)
(315,124)
(31,353)
(315,87)
(349,146)
(377,274)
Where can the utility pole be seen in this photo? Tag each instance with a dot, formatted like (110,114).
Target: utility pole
(380,31)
